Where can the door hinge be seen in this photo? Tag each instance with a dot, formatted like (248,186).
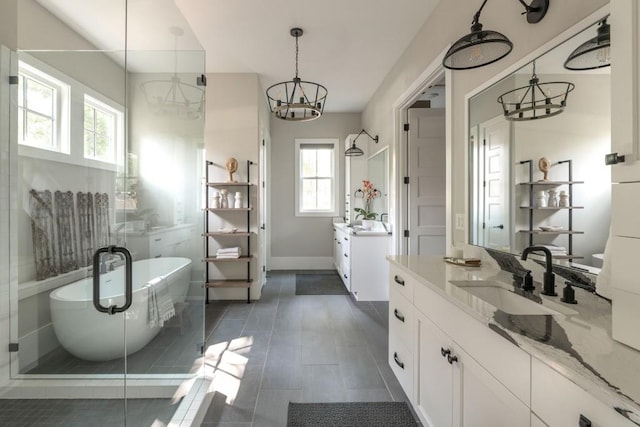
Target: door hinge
(262,184)
(201,347)
(201,80)
(13,347)
(406,127)
(406,180)
(484,225)
(264,268)
(263,227)
(484,142)
(263,142)
(484,184)
(406,233)
(14,80)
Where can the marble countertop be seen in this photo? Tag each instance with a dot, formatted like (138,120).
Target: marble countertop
(357,230)
(576,342)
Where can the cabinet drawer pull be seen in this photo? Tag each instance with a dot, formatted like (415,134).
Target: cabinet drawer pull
(158,256)
(339,242)
(584,421)
(444,352)
(346,239)
(398,362)
(399,316)
(398,280)
(451,359)
(158,239)
(346,256)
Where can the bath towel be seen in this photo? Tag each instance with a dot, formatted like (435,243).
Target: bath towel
(230,251)
(161,307)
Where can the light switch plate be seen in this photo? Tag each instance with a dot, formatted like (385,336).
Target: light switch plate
(459,221)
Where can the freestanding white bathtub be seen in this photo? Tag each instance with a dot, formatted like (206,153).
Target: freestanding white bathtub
(91,335)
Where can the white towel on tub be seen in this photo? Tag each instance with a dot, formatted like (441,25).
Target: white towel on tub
(161,307)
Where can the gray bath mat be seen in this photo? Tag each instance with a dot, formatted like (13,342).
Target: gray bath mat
(326,283)
(370,414)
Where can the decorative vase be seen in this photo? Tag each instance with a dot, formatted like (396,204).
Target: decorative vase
(564,200)
(553,199)
(216,200)
(368,224)
(224,201)
(541,200)
(238,200)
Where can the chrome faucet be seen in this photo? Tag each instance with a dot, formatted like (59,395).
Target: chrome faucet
(382,215)
(549,279)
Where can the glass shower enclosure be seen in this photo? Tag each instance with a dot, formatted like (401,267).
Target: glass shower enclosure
(104,107)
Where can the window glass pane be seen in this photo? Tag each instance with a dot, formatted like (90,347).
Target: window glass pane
(324,163)
(40,97)
(105,123)
(103,147)
(308,194)
(89,144)
(308,162)
(88,117)
(39,131)
(324,195)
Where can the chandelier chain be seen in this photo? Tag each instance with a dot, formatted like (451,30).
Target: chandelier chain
(296,56)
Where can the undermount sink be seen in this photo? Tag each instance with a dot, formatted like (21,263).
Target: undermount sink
(495,294)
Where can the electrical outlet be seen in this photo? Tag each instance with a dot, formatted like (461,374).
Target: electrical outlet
(459,221)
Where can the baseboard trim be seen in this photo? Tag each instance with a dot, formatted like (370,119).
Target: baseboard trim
(301,263)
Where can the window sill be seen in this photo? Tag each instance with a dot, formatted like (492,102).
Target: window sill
(54,156)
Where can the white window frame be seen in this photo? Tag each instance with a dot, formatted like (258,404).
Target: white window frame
(61,108)
(98,105)
(72,131)
(299,145)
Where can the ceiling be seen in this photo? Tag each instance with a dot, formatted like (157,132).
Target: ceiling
(348,45)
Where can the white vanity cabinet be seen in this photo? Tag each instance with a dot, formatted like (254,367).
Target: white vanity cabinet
(447,386)
(625,88)
(360,262)
(559,402)
(458,372)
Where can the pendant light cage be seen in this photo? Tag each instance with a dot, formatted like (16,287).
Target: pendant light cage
(172,97)
(535,101)
(594,53)
(297,100)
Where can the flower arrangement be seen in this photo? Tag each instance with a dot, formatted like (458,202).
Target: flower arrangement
(368,193)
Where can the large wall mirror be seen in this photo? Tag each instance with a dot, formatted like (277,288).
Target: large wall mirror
(512,206)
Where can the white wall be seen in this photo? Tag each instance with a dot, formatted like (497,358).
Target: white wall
(232,129)
(450,21)
(302,242)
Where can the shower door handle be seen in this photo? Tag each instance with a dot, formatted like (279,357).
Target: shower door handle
(128,282)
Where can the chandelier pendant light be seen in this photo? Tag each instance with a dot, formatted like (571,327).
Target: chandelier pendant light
(297,100)
(483,47)
(173,97)
(594,53)
(535,101)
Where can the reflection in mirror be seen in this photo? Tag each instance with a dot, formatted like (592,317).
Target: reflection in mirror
(512,205)
(378,173)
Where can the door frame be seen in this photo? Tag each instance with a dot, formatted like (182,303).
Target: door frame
(432,73)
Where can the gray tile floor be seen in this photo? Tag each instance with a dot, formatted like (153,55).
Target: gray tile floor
(306,348)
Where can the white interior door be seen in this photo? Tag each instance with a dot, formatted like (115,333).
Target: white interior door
(496,223)
(427,188)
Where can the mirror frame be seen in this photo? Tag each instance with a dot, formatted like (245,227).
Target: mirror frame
(382,150)
(570,32)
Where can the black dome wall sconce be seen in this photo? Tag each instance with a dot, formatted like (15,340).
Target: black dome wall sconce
(354,150)
(483,47)
(594,53)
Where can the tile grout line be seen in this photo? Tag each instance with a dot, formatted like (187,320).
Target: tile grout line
(264,365)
